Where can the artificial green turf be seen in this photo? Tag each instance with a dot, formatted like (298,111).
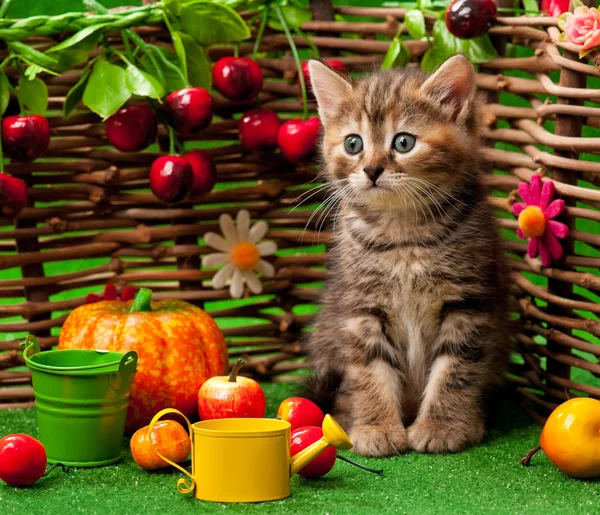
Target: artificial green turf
(486,479)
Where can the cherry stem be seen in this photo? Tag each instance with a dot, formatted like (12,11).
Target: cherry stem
(64,467)
(261,30)
(1,151)
(171,141)
(294,50)
(379,472)
(236,369)
(526,460)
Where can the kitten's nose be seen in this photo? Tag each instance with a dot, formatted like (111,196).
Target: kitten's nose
(373,172)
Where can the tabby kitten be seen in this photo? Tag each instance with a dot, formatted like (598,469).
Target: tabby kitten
(413,328)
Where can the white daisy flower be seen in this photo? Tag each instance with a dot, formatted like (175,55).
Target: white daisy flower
(240,253)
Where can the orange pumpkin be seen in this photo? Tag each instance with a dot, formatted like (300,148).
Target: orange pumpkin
(179,347)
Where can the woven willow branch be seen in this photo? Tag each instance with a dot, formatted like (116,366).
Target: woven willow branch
(17,30)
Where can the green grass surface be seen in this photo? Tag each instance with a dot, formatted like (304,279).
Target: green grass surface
(485,479)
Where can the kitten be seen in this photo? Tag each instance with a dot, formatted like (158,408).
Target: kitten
(413,328)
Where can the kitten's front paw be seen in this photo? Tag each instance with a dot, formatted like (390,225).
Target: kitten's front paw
(379,441)
(436,437)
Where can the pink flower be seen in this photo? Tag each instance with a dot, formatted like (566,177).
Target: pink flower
(555,7)
(535,219)
(582,27)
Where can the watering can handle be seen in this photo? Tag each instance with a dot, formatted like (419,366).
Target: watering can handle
(32,346)
(182,484)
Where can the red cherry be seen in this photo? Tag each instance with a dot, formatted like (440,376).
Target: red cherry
(237,78)
(22,460)
(171,179)
(322,464)
(468,19)
(132,128)
(297,139)
(300,412)
(13,195)
(128,293)
(334,64)
(92,298)
(189,110)
(205,173)
(258,129)
(110,292)
(25,138)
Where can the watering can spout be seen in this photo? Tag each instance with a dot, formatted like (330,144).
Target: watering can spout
(333,434)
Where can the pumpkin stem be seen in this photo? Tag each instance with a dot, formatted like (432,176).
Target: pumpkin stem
(236,368)
(526,460)
(142,301)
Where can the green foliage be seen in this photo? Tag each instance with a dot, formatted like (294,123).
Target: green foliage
(172,80)
(198,66)
(209,23)
(34,94)
(141,83)
(295,16)
(4,92)
(75,94)
(415,23)
(106,90)
(397,55)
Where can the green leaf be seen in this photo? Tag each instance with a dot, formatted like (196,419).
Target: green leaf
(180,49)
(432,60)
(78,52)
(106,90)
(209,23)
(531,6)
(481,50)
(78,37)
(478,50)
(173,80)
(34,94)
(143,84)
(199,71)
(75,94)
(294,16)
(4,92)
(397,55)
(32,55)
(415,23)
(33,69)
(172,7)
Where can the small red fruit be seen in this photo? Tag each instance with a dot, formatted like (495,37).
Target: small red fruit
(189,110)
(205,173)
(237,78)
(258,129)
(334,64)
(300,412)
(297,139)
(231,397)
(128,293)
(13,195)
(322,464)
(132,128)
(168,437)
(171,179)
(467,19)
(22,460)
(25,138)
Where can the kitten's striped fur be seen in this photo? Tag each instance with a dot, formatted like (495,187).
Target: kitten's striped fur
(413,328)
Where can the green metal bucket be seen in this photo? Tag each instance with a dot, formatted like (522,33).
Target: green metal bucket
(81,398)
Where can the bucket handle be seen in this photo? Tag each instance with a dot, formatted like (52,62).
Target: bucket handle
(183,486)
(32,346)
(127,368)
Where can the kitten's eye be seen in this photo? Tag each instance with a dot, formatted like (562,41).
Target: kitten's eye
(353,144)
(404,143)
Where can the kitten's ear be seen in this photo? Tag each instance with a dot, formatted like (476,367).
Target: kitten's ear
(329,88)
(452,85)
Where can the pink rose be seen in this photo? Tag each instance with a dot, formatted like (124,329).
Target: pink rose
(583,27)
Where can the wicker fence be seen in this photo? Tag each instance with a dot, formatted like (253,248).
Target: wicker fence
(88,200)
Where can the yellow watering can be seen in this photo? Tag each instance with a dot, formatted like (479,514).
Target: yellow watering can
(246,459)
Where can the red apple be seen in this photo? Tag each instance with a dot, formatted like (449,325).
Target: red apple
(237,78)
(171,179)
(22,460)
(334,64)
(297,139)
(231,397)
(300,412)
(132,128)
(189,110)
(258,129)
(205,173)
(322,464)
(13,195)
(25,138)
